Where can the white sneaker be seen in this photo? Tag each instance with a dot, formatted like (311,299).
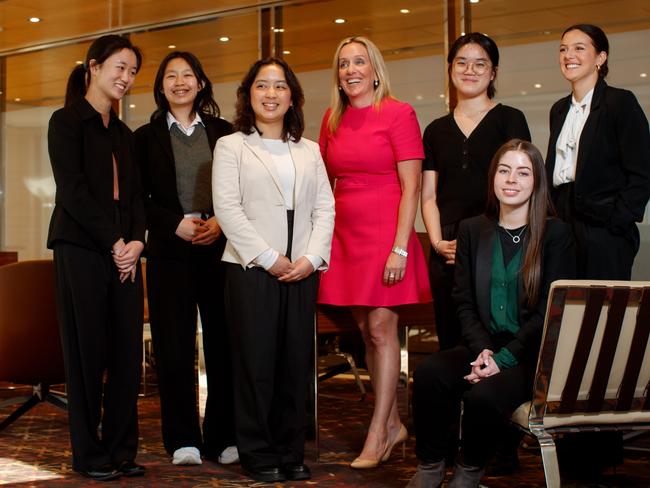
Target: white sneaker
(230,455)
(187,456)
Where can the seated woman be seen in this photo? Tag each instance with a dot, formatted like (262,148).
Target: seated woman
(506,261)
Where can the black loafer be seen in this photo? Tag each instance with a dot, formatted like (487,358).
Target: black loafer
(267,474)
(130,469)
(295,472)
(102,473)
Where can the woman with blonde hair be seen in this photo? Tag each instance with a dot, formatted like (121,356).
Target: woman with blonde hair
(376,264)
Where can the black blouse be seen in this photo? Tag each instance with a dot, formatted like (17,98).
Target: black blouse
(462,163)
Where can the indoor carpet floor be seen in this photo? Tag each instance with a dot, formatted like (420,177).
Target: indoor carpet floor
(35,451)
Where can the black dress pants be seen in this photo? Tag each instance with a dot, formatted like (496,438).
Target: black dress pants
(438,389)
(271,331)
(101,333)
(175,288)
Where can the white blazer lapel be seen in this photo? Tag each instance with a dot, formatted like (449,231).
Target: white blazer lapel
(299,155)
(256,145)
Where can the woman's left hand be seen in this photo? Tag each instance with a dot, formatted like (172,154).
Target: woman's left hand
(299,270)
(126,259)
(395,269)
(483,367)
(207,233)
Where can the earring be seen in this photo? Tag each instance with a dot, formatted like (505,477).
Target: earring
(376,83)
(597,67)
(340,88)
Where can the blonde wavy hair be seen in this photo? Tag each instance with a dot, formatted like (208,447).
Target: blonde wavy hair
(339,100)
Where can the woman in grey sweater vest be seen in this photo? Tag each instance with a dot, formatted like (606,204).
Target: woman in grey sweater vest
(184,269)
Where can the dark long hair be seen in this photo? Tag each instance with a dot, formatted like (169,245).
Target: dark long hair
(294,120)
(539,208)
(100,50)
(204,102)
(599,41)
(487,44)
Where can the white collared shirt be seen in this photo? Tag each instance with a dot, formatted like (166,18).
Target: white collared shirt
(568,142)
(171,120)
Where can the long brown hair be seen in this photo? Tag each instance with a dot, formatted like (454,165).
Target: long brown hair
(539,209)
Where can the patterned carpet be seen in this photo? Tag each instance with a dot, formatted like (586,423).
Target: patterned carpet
(35,452)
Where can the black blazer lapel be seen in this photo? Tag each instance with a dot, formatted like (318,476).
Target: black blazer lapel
(556,127)
(159,126)
(485,247)
(590,128)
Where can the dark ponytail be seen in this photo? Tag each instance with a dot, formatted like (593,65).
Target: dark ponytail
(100,50)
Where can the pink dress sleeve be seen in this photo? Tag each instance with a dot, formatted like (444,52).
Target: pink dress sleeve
(405,135)
(322,139)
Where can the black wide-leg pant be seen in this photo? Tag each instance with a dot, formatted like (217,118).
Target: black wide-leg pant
(175,288)
(101,333)
(439,387)
(271,331)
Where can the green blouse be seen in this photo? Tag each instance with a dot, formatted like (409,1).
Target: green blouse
(504,300)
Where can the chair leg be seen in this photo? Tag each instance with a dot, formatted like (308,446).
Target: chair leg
(24,408)
(355,371)
(549,459)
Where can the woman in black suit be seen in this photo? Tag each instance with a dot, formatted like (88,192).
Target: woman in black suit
(505,263)
(97,234)
(184,249)
(598,160)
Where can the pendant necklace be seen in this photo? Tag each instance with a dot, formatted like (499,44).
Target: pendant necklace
(515,238)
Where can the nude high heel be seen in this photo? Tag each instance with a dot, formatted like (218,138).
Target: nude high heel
(401,437)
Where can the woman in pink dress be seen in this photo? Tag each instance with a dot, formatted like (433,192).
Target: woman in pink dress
(372,148)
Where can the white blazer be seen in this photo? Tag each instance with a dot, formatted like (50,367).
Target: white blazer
(249,202)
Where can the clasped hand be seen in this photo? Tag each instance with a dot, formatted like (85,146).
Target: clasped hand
(198,231)
(447,249)
(284,270)
(482,367)
(126,257)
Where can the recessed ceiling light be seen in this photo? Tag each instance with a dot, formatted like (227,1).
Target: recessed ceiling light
(537,85)
(278,29)
(404,11)
(442,95)
(132,105)
(419,97)
(172,46)
(224,38)
(523,92)
(286,51)
(474,1)
(462,33)
(78,62)
(643,75)
(17,99)
(339,21)
(34,20)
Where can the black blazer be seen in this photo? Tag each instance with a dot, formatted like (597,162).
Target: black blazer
(612,183)
(164,211)
(81,151)
(476,237)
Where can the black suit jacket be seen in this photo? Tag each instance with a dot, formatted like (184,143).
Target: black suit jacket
(612,183)
(164,211)
(476,238)
(81,150)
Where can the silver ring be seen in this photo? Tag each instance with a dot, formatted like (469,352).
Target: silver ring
(391,275)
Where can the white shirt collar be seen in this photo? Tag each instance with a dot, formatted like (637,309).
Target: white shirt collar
(171,120)
(585,102)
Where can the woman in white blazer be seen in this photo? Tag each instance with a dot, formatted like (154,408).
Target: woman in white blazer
(274,203)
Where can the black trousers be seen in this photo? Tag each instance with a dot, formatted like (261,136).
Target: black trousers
(441,280)
(438,389)
(175,288)
(101,333)
(601,254)
(271,331)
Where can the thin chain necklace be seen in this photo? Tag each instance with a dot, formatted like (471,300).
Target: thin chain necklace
(516,238)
